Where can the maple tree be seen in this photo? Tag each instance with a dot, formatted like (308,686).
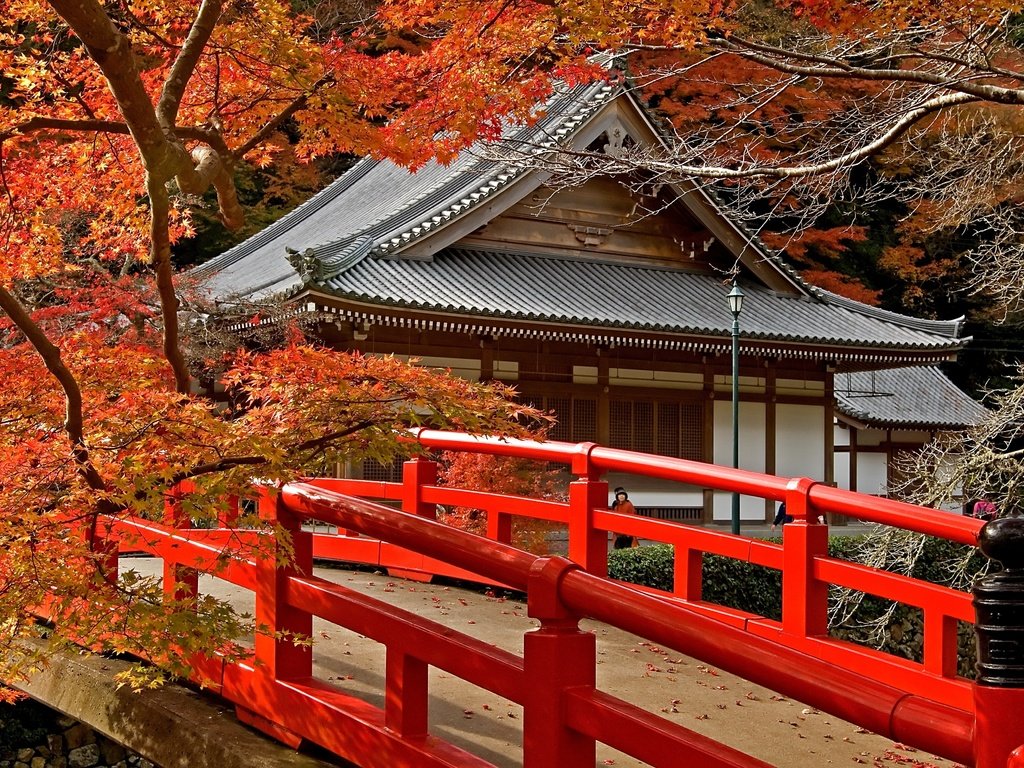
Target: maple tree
(115,118)
(502,475)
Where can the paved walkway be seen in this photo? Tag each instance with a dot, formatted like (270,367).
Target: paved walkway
(753,719)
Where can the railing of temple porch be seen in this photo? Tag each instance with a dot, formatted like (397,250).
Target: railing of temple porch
(924,705)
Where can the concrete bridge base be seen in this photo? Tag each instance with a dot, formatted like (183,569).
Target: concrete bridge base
(171,726)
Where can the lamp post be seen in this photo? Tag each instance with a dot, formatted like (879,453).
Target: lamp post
(735,306)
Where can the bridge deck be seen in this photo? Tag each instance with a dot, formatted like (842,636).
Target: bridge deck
(731,710)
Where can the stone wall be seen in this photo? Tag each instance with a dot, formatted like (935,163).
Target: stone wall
(71,745)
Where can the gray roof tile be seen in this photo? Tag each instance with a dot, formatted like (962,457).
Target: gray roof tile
(378,208)
(614,295)
(906,397)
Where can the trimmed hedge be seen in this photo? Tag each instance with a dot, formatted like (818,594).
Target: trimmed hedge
(758,590)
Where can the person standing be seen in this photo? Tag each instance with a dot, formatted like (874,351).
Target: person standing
(623,506)
(984,509)
(781,518)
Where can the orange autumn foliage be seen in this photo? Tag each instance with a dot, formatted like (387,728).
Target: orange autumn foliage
(115,118)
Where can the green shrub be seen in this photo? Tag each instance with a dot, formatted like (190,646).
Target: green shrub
(646,566)
(728,582)
(758,590)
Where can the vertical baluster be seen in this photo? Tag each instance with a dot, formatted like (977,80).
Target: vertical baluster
(405,696)
(499,526)
(180,581)
(416,474)
(279,656)
(557,656)
(940,642)
(588,546)
(804,597)
(688,576)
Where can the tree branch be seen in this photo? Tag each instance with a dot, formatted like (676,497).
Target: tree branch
(113,53)
(319,442)
(238,461)
(297,104)
(51,357)
(823,66)
(216,466)
(159,210)
(667,168)
(185,63)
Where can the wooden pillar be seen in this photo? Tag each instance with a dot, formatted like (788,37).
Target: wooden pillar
(708,513)
(829,425)
(486,358)
(603,397)
(770,428)
(888,461)
(853,457)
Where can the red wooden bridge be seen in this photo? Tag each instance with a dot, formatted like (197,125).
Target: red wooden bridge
(925,704)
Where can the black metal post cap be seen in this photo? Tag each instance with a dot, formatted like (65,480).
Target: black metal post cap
(1002,540)
(999,605)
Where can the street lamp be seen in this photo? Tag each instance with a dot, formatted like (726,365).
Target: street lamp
(735,306)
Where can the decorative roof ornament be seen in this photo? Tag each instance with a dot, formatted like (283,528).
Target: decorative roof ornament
(616,136)
(306,264)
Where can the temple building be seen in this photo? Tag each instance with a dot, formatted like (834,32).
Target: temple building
(606,303)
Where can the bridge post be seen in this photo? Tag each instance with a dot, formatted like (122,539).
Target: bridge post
(588,546)
(228,516)
(417,473)
(180,582)
(557,656)
(999,630)
(804,597)
(279,656)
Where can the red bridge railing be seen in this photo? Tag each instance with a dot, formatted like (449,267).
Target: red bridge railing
(923,704)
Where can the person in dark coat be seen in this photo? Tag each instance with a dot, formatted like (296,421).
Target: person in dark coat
(624,506)
(781,518)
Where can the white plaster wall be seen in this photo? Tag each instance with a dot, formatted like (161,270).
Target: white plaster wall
(752,455)
(506,370)
(841,469)
(463,367)
(800,441)
(840,435)
(871,473)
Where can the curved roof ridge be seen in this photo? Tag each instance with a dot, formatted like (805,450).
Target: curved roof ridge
(950,328)
(491,176)
(286,222)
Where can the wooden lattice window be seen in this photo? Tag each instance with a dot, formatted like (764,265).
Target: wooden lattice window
(562,408)
(577,417)
(584,420)
(691,431)
(388,473)
(667,428)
